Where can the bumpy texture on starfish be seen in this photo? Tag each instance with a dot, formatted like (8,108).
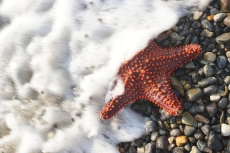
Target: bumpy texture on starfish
(147,76)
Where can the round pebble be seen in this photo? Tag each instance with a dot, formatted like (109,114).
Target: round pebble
(225,129)
(195,150)
(221,61)
(205,129)
(208,70)
(201,118)
(219,17)
(175,132)
(209,56)
(188,119)
(161,142)
(227,21)
(154,136)
(211,109)
(181,140)
(193,94)
(215,97)
(189,130)
(223,103)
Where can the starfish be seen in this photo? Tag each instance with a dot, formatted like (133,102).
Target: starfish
(147,76)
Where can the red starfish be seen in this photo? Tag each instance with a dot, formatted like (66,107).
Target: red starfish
(147,76)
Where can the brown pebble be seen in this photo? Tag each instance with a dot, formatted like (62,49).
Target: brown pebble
(225,5)
(209,56)
(227,21)
(210,17)
(181,140)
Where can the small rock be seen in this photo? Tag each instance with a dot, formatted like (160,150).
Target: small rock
(195,150)
(227,79)
(225,129)
(188,147)
(189,130)
(216,128)
(149,148)
(219,17)
(181,140)
(141,150)
(197,15)
(207,25)
(225,5)
(201,119)
(215,97)
(227,21)
(199,135)
(221,61)
(211,109)
(207,81)
(223,38)
(150,126)
(187,119)
(175,132)
(171,140)
(177,85)
(193,94)
(208,70)
(203,146)
(210,89)
(154,136)
(214,142)
(196,24)
(209,56)
(206,129)
(223,103)
(161,142)
(214,11)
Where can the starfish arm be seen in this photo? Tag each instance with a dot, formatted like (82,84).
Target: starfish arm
(115,105)
(161,94)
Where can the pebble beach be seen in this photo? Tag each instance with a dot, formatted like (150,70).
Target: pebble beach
(202,86)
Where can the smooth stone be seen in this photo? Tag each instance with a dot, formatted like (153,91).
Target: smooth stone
(227,21)
(171,140)
(189,130)
(175,36)
(205,129)
(199,108)
(208,70)
(171,147)
(201,118)
(178,150)
(203,146)
(154,136)
(214,11)
(228,54)
(211,109)
(209,56)
(225,5)
(223,103)
(215,97)
(219,17)
(177,85)
(150,126)
(149,148)
(210,89)
(193,94)
(225,129)
(192,139)
(197,15)
(228,147)
(207,81)
(141,150)
(227,79)
(204,62)
(214,142)
(181,140)
(216,128)
(196,24)
(207,25)
(190,66)
(188,147)
(228,120)
(161,142)
(210,17)
(188,119)
(225,37)
(199,135)
(195,150)
(175,132)
(206,33)
(221,61)
(162,132)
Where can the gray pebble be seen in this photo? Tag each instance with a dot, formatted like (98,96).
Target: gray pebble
(206,129)
(211,109)
(207,81)
(214,11)
(177,85)
(223,103)
(150,126)
(199,135)
(223,38)
(178,150)
(202,145)
(219,17)
(206,33)
(221,61)
(210,89)
(188,119)
(188,147)
(193,94)
(207,25)
(214,142)
(189,130)
(162,132)
(216,128)
(196,24)
(208,70)
(175,132)
(161,142)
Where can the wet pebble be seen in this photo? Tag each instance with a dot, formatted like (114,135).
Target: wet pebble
(207,81)
(225,129)
(189,130)
(225,5)
(197,15)
(193,94)
(181,140)
(211,109)
(202,145)
(201,118)
(195,150)
(223,38)
(210,89)
(188,119)
(199,135)
(161,142)
(221,61)
(227,79)
(150,126)
(141,150)
(149,148)
(175,132)
(215,97)
(177,85)
(154,136)
(214,142)
(207,25)
(205,129)
(223,103)
(208,70)
(209,56)
(219,17)
(227,21)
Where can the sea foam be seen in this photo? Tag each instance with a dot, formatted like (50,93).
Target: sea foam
(57,60)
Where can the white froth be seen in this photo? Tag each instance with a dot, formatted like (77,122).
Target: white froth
(57,59)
